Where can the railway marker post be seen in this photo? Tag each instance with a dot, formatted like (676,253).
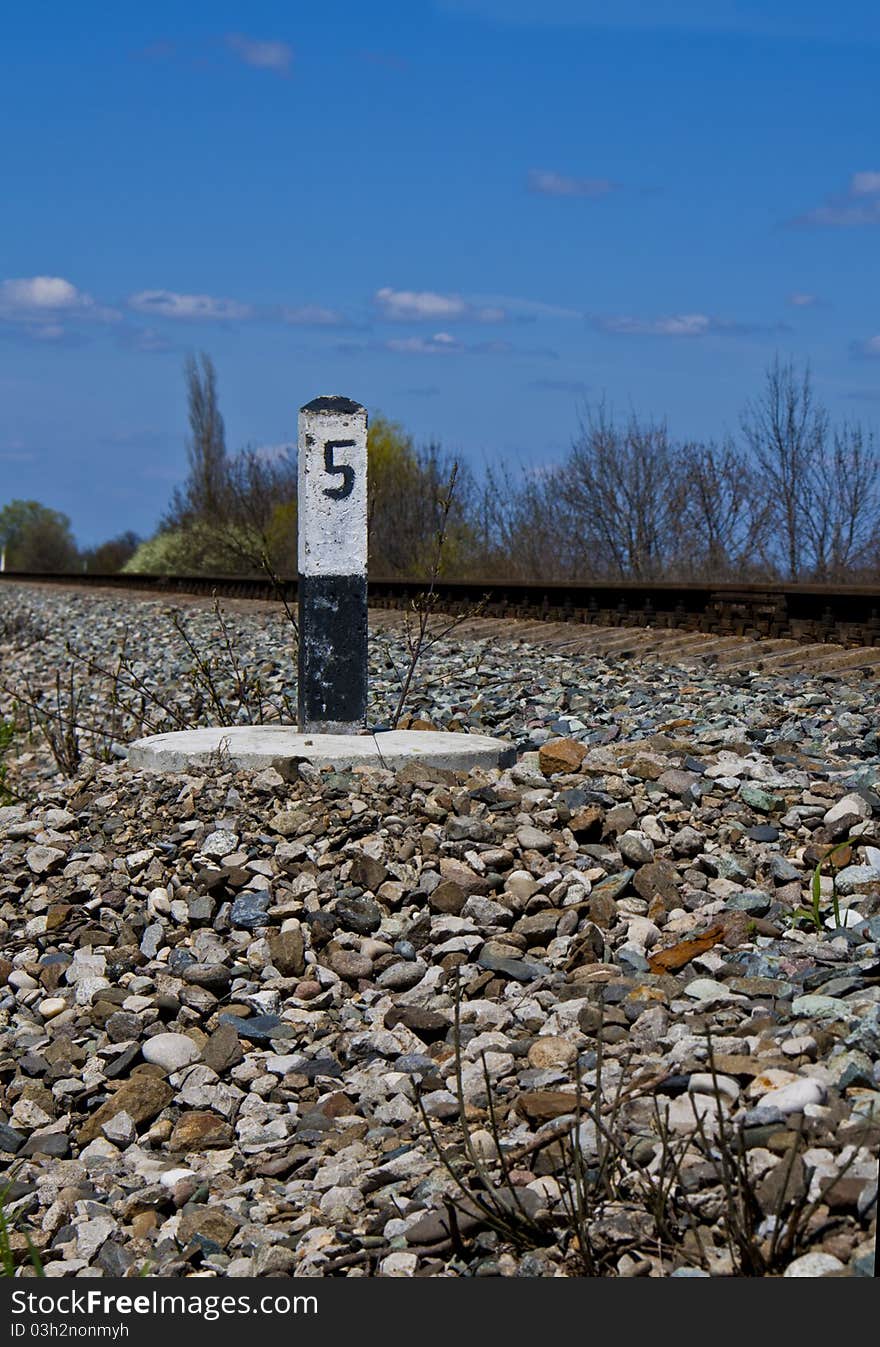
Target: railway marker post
(332,566)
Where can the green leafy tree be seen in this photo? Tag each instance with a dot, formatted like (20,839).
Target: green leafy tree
(36,538)
(407,502)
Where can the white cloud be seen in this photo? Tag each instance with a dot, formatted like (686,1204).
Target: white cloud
(547,183)
(674,325)
(681,325)
(36,294)
(800,300)
(429,306)
(261,54)
(41,304)
(531,308)
(442,343)
(865,184)
(418,304)
(858,205)
(169,304)
(871,347)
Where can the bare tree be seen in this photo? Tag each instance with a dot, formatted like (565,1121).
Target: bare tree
(627,485)
(258,509)
(206,448)
(787,432)
(526,529)
(841,517)
(726,522)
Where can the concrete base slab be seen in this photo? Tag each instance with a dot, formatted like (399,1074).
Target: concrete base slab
(280,746)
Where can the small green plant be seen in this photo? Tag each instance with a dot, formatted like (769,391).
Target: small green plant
(7,734)
(8,1225)
(836,857)
(58,717)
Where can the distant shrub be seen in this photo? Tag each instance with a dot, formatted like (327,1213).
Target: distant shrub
(198,549)
(110,556)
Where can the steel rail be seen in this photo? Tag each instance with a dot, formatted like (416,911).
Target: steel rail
(844,615)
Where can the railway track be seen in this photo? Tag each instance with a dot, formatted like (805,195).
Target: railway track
(788,628)
(848,615)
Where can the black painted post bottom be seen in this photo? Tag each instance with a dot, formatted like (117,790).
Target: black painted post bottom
(332,653)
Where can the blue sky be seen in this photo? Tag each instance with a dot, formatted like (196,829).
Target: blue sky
(470,215)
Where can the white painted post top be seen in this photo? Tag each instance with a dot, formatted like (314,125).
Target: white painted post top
(332,487)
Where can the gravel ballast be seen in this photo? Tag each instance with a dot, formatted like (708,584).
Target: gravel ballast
(228,1000)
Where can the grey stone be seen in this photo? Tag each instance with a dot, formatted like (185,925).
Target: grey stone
(249,911)
(259,1028)
(402,976)
(362,915)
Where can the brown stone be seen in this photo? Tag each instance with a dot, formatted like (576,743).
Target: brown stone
(448,898)
(590,1019)
(287,822)
(738,929)
(538,927)
(350,965)
(603,910)
(336,1105)
(143,1224)
(209,1222)
(677,956)
(657,909)
(657,877)
(141,1097)
(647,768)
(543,1105)
(430,1025)
(677,782)
(367,872)
(587,823)
(287,952)
(51,975)
(200,1130)
(739,1064)
(549,1052)
(844,1193)
(561,755)
(222,1050)
(462,875)
(784,1184)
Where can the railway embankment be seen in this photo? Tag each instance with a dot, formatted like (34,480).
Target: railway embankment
(252,1025)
